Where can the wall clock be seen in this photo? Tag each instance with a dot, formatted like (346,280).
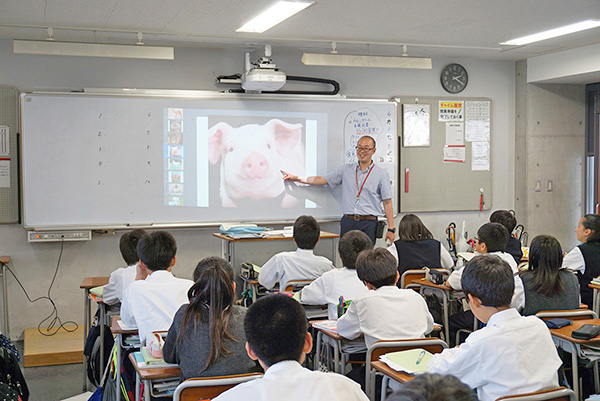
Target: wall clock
(454,78)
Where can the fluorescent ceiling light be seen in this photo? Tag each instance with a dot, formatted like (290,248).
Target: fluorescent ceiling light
(341,60)
(91,49)
(553,33)
(277,13)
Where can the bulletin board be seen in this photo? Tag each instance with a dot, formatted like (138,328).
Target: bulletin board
(9,172)
(96,160)
(445,154)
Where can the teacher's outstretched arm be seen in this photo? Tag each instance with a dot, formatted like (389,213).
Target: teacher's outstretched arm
(312,180)
(388,208)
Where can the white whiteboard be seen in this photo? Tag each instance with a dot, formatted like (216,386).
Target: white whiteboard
(94,161)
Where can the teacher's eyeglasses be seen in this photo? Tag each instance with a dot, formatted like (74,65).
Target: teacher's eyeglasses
(361,149)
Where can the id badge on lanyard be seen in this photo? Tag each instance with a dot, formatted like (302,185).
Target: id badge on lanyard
(361,187)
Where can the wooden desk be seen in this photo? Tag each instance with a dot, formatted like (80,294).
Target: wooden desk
(401,377)
(119,332)
(445,293)
(150,373)
(87,284)
(260,250)
(562,338)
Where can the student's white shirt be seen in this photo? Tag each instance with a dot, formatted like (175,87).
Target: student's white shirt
(574,261)
(518,299)
(511,355)
(118,282)
(445,258)
(387,313)
(301,264)
(328,288)
(150,304)
(289,381)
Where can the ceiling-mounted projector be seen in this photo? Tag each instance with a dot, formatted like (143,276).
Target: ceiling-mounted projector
(263,75)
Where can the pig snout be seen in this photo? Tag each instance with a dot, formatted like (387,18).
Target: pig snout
(255,165)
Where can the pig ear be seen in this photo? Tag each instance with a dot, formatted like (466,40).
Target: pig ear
(287,135)
(215,139)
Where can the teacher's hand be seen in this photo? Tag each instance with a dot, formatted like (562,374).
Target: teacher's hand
(391,237)
(289,177)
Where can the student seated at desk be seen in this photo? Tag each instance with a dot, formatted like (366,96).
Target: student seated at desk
(277,336)
(386,312)
(416,248)
(301,264)
(512,354)
(491,240)
(123,276)
(207,335)
(343,282)
(547,285)
(509,221)
(584,259)
(151,301)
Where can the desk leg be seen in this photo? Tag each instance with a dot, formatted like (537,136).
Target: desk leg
(446,319)
(596,378)
(575,371)
(384,386)
(138,383)
(317,351)
(118,366)
(595,301)
(147,384)
(336,357)
(5,301)
(254,288)
(86,326)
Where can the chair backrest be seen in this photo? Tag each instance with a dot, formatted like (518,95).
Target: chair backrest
(553,394)
(297,284)
(572,314)
(206,388)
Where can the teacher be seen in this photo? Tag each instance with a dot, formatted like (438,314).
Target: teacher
(364,187)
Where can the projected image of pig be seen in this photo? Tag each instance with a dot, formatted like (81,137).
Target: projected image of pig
(252,157)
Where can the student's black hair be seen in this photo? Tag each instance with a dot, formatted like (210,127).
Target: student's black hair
(157,250)
(411,228)
(306,232)
(545,262)
(275,328)
(434,387)
(592,221)
(211,300)
(506,218)
(490,279)
(494,236)
(377,267)
(351,244)
(128,245)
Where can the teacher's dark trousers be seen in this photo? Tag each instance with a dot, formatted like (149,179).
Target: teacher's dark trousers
(366,226)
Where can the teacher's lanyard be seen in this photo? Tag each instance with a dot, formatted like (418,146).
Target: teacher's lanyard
(363,183)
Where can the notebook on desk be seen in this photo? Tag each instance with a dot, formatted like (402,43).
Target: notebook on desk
(406,361)
(97,291)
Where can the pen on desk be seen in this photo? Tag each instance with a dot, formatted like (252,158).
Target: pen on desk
(420,358)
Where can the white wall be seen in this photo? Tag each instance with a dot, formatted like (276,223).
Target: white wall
(196,69)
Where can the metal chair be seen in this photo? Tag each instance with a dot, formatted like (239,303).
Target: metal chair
(431,344)
(554,394)
(206,388)
(416,274)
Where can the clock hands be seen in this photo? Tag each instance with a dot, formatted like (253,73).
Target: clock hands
(459,81)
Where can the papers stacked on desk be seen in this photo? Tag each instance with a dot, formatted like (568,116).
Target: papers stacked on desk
(406,361)
(327,325)
(144,359)
(287,232)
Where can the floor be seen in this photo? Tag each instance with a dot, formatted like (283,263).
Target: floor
(52,383)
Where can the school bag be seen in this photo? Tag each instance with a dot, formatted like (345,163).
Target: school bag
(92,351)
(11,376)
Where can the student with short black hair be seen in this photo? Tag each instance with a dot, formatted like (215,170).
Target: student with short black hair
(416,247)
(207,336)
(584,259)
(302,264)
(547,285)
(123,276)
(150,302)
(512,354)
(343,282)
(386,312)
(277,336)
(509,221)
(434,387)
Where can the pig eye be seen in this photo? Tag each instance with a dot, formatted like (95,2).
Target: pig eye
(230,149)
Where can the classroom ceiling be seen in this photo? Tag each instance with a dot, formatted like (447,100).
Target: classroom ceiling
(431,28)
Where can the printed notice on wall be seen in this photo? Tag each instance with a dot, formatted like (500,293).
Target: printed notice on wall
(4,173)
(480,156)
(454,154)
(416,119)
(477,127)
(455,134)
(451,111)
(4,144)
